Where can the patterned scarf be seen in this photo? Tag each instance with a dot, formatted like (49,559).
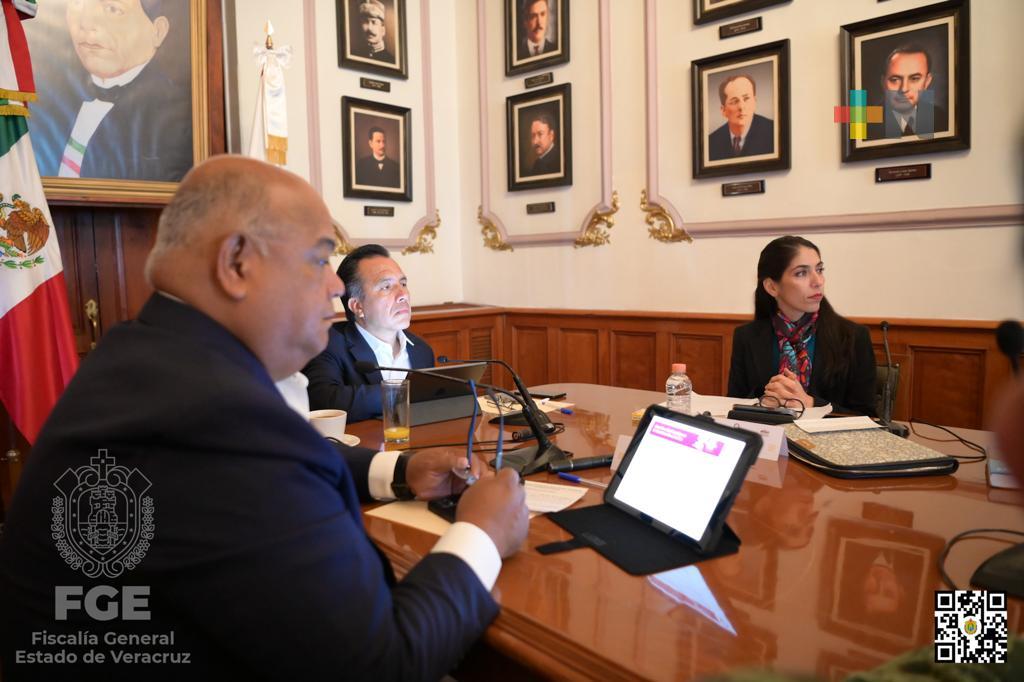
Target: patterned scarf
(793,338)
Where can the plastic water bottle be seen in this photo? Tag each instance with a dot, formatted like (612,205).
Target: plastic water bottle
(678,389)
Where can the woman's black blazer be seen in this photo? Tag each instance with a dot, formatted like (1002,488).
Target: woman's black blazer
(752,367)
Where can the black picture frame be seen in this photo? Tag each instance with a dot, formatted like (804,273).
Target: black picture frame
(359,119)
(525,169)
(517,57)
(765,145)
(353,52)
(705,11)
(866,48)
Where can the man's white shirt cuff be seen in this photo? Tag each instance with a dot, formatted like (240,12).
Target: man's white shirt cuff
(471,544)
(382,473)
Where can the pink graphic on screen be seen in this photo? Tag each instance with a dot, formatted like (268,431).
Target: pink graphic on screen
(690,439)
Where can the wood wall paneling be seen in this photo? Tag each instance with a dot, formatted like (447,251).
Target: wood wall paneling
(948,385)
(704,361)
(481,347)
(444,343)
(635,360)
(530,354)
(579,355)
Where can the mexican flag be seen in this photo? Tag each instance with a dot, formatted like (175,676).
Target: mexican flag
(37,348)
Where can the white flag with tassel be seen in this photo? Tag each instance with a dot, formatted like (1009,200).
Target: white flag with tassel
(269,139)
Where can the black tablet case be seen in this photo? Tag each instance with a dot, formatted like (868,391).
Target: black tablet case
(636,548)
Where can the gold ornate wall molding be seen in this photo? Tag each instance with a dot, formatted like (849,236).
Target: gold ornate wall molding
(492,235)
(596,231)
(660,225)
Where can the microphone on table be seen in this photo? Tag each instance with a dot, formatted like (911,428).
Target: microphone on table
(887,390)
(1010,339)
(514,420)
(526,460)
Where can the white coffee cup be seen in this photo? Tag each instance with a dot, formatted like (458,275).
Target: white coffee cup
(330,423)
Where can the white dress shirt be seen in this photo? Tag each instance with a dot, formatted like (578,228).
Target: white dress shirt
(385,353)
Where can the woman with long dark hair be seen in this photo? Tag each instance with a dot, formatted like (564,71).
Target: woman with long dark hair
(798,346)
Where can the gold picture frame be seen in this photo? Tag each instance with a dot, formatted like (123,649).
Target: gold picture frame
(48,57)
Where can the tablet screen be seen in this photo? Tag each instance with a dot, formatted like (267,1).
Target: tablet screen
(680,469)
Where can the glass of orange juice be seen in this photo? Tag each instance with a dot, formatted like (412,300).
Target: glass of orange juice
(394,398)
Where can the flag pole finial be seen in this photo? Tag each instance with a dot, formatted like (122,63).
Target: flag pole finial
(269,29)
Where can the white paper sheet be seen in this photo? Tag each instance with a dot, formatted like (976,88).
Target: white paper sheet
(812,413)
(837,424)
(543,498)
(412,513)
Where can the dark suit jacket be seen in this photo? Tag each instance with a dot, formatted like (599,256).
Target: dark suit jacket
(259,562)
(927,123)
(524,49)
(752,367)
(549,163)
(369,172)
(760,140)
(334,381)
(145,136)
(384,55)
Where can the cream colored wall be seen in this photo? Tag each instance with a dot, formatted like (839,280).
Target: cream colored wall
(964,273)
(953,274)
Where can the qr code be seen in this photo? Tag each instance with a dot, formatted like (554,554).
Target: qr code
(970,627)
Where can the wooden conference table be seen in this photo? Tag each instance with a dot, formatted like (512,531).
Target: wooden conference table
(833,576)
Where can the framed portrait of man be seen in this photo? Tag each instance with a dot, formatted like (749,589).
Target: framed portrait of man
(539,138)
(907,76)
(371,36)
(376,149)
(706,11)
(741,111)
(536,34)
(121,109)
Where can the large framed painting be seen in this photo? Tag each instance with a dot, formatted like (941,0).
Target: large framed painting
(741,111)
(706,11)
(122,107)
(536,34)
(911,73)
(539,138)
(376,149)
(372,38)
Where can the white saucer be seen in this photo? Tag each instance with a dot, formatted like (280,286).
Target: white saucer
(350,440)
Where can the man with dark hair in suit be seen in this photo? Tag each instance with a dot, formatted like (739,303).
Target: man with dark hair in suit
(174,483)
(533,21)
(744,132)
(377,169)
(122,115)
(910,107)
(543,140)
(371,18)
(378,308)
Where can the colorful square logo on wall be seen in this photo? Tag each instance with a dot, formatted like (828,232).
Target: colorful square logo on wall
(858,114)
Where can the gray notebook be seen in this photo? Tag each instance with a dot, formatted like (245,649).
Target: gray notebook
(867,453)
